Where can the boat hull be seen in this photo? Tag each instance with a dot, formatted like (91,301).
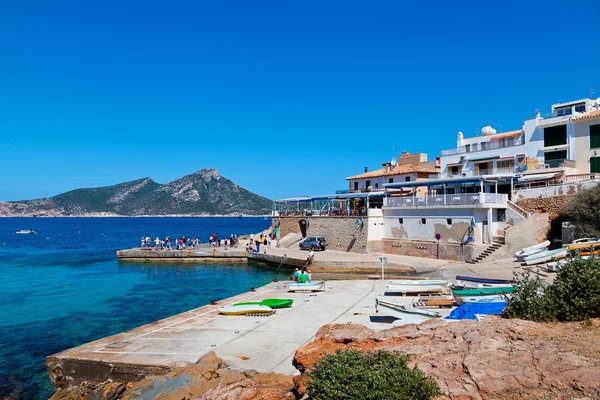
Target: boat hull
(546,256)
(482,291)
(273,303)
(423,286)
(306,286)
(533,249)
(245,309)
(476,280)
(493,298)
(396,310)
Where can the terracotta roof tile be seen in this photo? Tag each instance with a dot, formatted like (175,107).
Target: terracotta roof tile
(398,170)
(593,114)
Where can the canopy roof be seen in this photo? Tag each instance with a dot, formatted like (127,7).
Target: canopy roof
(343,196)
(449,181)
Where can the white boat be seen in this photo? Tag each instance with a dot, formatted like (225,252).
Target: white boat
(492,298)
(245,309)
(546,256)
(25,232)
(586,241)
(306,286)
(416,286)
(475,285)
(397,310)
(554,266)
(533,249)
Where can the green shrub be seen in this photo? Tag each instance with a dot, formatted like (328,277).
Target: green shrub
(582,210)
(373,375)
(527,301)
(575,293)
(573,296)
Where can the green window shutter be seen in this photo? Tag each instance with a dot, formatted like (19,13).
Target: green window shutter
(555,158)
(555,135)
(594,136)
(594,165)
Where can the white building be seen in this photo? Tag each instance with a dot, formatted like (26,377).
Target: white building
(559,147)
(407,168)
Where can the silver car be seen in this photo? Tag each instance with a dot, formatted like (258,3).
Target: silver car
(313,243)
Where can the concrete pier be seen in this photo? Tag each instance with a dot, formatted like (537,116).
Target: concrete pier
(263,344)
(205,253)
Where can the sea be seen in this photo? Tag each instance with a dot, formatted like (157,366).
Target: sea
(63,286)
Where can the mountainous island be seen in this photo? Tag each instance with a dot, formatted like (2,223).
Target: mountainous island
(202,193)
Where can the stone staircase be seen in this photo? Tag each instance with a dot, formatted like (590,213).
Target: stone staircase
(498,240)
(487,252)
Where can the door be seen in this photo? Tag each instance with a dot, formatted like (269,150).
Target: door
(485,234)
(303,225)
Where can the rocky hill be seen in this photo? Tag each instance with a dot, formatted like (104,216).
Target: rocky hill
(202,193)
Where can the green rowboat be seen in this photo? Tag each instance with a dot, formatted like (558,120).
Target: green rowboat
(482,291)
(273,303)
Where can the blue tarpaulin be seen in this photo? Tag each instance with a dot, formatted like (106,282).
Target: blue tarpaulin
(468,311)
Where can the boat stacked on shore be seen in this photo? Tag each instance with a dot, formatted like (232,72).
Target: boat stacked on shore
(417,286)
(539,254)
(256,307)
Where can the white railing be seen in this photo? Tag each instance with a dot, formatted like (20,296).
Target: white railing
(580,177)
(446,200)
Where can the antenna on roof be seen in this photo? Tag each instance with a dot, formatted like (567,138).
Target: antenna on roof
(592,90)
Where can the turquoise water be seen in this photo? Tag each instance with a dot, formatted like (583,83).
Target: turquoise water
(63,286)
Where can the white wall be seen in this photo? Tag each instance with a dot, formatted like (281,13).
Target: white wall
(362,183)
(376,225)
(582,144)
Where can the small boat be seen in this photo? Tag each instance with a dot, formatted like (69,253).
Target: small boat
(583,246)
(246,309)
(546,256)
(482,291)
(492,298)
(306,286)
(554,266)
(474,281)
(416,286)
(394,309)
(273,303)
(473,285)
(533,249)
(25,232)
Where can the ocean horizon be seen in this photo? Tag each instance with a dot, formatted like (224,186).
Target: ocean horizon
(64,286)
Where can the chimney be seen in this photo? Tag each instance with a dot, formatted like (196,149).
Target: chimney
(366,169)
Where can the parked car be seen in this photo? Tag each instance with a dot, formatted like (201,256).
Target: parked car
(313,243)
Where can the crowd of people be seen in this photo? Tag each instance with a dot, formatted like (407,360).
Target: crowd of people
(303,276)
(257,243)
(183,242)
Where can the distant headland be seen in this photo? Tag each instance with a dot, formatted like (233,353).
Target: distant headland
(203,193)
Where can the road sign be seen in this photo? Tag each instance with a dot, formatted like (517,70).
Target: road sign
(438,236)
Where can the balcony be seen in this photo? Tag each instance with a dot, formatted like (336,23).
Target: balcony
(482,146)
(448,200)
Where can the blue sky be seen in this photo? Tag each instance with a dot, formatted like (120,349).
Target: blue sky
(285,97)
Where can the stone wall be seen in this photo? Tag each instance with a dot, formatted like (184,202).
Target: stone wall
(448,251)
(528,232)
(551,205)
(341,233)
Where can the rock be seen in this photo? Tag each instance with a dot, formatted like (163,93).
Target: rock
(209,378)
(493,359)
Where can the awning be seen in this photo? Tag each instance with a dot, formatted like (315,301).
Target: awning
(506,135)
(537,177)
(484,158)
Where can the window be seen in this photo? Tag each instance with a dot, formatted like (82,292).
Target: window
(376,185)
(423,221)
(555,158)
(401,220)
(505,165)
(368,184)
(594,136)
(468,148)
(355,185)
(474,147)
(454,170)
(564,111)
(555,136)
(580,108)
(407,179)
(448,221)
(501,215)
(594,165)
(391,180)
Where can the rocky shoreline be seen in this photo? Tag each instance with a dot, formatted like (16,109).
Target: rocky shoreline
(493,359)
